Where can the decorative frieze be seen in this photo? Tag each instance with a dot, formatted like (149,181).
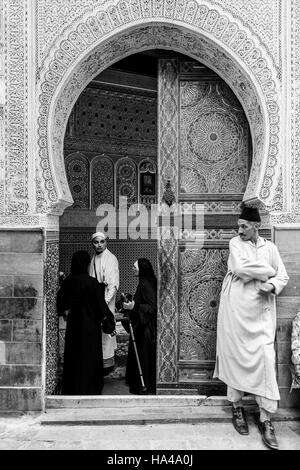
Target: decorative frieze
(112,147)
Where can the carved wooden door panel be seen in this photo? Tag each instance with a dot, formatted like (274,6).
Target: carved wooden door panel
(213,166)
(213,170)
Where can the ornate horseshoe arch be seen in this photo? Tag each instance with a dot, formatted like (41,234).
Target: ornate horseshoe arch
(207,34)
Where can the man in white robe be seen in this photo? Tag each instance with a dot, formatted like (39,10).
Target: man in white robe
(247,324)
(105,268)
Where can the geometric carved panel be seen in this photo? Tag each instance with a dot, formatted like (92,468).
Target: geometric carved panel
(126,181)
(214,139)
(77,169)
(102,181)
(202,273)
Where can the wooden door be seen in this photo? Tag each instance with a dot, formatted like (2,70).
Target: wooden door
(207,162)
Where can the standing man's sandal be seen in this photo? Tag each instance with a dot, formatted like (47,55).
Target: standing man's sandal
(239,420)
(268,434)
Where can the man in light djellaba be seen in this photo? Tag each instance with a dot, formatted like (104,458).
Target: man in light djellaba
(247,324)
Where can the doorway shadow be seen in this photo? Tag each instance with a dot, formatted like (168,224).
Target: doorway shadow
(115,387)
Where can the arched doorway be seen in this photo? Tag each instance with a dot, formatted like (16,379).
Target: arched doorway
(255,87)
(106,150)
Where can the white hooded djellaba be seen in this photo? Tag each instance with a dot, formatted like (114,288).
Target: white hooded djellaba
(247,320)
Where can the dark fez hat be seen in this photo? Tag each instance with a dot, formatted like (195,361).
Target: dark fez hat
(250,213)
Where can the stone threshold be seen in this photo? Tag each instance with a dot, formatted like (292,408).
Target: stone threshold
(117,401)
(138,410)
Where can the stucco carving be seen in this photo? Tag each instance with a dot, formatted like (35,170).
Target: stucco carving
(254,82)
(51,222)
(83,23)
(262,18)
(19,221)
(2,160)
(15,111)
(2,104)
(295,107)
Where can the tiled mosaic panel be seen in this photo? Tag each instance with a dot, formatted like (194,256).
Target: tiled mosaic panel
(51,288)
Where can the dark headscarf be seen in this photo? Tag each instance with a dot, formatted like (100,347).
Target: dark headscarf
(146,269)
(80,262)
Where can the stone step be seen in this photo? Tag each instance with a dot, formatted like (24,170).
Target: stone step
(133,415)
(151,415)
(121,401)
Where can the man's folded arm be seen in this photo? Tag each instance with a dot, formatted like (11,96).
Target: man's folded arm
(247,269)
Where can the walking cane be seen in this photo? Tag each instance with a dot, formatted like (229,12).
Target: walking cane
(137,356)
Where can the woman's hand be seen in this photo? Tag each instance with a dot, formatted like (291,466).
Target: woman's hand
(65,314)
(128,305)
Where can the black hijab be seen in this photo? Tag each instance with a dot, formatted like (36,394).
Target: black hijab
(80,262)
(146,269)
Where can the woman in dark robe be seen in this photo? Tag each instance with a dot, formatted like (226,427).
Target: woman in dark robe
(143,313)
(81,299)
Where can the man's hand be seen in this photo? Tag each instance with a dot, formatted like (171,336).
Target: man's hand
(266,288)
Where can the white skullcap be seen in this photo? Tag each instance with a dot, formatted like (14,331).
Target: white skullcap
(98,234)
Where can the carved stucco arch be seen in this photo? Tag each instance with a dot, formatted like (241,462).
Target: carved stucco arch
(207,34)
